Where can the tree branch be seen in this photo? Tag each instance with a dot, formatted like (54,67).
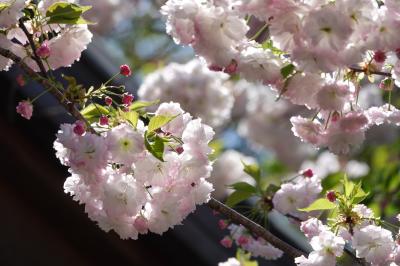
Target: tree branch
(254,228)
(68,105)
(33,47)
(356,69)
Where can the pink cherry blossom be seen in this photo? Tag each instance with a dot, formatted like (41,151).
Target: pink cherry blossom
(25,109)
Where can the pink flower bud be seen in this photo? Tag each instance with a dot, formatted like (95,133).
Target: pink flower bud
(231,68)
(215,213)
(179,150)
(108,100)
(20,80)
(398,53)
(223,224)
(379,56)
(226,242)
(25,109)
(79,128)
(125,70)
(335,116)
(103,120)
(44,50)
(243,240)
(215,68)
(331,196)
(141,224)
(127,99)
(308,173)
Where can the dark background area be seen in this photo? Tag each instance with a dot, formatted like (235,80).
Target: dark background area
(41,225)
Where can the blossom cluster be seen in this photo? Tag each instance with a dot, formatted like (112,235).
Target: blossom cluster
(200,91)
(309,58)
(124,187)
(257,247)
(59,43)
(296,194)
(221,178)
(370,241)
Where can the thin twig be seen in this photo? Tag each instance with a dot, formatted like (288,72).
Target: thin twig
(68,105)
(33,47)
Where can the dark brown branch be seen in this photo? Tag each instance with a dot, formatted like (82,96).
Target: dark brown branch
(254,228)
(33,47)
(361,70)
(68,105)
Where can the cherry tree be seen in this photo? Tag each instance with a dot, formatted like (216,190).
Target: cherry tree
(291,76)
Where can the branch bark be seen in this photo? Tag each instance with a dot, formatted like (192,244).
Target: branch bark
(356,69)
(254,228)
(68,105)
(33,47)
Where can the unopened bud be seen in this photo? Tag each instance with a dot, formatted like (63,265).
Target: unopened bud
(331,196)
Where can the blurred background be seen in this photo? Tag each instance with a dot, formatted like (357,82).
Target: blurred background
(40,225)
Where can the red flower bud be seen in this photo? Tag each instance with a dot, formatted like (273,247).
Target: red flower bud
(331,196)
(226,242)
(379,56)
(179,150)
(79,128)
(125,70)
(231,68)
(223,224)
(103,120)
(108,100)
(127,99)
(308,173)
(44,50)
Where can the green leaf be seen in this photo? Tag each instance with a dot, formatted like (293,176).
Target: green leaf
(4,6)
(237,196)
(132,117)
(243,186)
(271,190)
(92,112)
(287,70)
(253,170)
(136,105)
(269,45)
(319,205)
(66,13)
(154,146)
(360,196)
(348,187)
(217,147)
(244,258)
(159,121)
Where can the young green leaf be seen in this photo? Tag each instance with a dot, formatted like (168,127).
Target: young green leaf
(92,112)
(245,258)
(141,104)
(319,205)
(132,117)
(243,186)
(4,6)
(155,146)
(287,70)
(159,121)
(66,13)
(253,170)
(238,196)
(360,195)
